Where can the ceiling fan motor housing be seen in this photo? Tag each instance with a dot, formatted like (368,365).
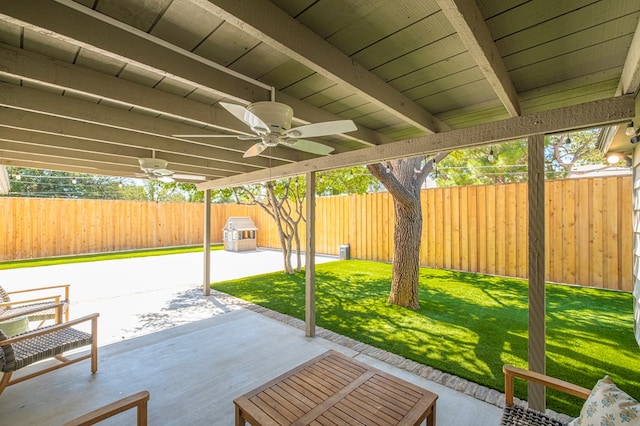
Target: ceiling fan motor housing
(154,166)
(275,114)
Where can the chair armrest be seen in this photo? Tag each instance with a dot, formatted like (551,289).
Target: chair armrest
(59,305)
(40,331)
(54,299)
(50,287)
(139,400)
(510,372)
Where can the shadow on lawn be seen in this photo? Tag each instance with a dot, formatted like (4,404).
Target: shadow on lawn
(468,324)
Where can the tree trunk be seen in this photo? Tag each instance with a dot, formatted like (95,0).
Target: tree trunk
(286,252)
(403,179)
(285,238)
(406,246)
(298,251)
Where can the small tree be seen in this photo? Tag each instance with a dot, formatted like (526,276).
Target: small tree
(282,201)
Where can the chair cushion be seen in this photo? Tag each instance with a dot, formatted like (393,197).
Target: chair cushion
(15,326)
(608,405)
(7,355)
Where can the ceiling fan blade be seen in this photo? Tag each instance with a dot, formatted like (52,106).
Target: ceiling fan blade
(322,129)
(162,172)
(188,177)
(166,179)
(247,117)
(255,150)
(312,147)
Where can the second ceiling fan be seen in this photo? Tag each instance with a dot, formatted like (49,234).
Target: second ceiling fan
(271,122)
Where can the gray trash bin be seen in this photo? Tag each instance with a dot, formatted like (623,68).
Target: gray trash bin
(345,252)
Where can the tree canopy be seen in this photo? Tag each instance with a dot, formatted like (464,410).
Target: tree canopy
(28,182)
(565,155)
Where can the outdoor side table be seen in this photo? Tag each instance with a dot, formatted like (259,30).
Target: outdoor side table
(336,389)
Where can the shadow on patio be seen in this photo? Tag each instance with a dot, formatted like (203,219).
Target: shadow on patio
(195,355)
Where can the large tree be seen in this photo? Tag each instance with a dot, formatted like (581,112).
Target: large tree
(404,179)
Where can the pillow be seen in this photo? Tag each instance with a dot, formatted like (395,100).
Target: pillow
(609,406)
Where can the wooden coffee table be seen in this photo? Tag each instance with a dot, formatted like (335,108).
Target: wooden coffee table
(335,389)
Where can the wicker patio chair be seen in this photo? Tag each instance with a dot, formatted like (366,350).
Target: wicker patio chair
(44,343)
(40,308)
(516,415)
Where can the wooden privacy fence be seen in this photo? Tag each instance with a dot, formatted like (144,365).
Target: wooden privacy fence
(478,229)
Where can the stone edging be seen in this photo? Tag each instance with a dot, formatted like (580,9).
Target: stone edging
(482,393)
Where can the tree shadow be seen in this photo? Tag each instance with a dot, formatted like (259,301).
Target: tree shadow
(185,307)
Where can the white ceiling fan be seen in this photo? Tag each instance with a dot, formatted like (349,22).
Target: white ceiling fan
(271,122)
(156,168)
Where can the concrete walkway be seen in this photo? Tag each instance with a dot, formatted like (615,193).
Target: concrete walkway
(142,295)
(158,300)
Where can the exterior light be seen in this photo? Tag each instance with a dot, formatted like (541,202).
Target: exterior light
(614,158)
(491,157)
(630,131)
(618,157)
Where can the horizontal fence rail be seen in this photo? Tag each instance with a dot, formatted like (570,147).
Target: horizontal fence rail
(477,229)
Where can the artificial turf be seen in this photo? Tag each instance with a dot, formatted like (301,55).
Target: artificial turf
(468,324)
(95,257)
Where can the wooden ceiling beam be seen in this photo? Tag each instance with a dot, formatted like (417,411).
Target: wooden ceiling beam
(271,25)
(630,77)
(35,143)
(31,162)
(466,19)
(88,29)
(130,128)
(37,68)
(590,114)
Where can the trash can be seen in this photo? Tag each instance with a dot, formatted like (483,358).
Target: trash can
(345,252)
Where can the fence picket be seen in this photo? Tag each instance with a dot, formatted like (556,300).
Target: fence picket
(478,229)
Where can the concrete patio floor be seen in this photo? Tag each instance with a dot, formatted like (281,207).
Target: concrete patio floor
(194,354)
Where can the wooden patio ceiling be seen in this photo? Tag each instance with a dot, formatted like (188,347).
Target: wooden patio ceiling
(92,85)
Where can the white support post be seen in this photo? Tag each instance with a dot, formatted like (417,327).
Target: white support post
(310,257)
(537,355)
(206,277)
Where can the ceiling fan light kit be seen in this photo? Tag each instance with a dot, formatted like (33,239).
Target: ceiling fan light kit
(275,115)
(150,165)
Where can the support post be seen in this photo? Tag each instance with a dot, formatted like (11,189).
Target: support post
(310,257)
(537,356)
(206,276)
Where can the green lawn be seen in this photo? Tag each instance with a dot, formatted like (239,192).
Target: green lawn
(30,263)
(468,324)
